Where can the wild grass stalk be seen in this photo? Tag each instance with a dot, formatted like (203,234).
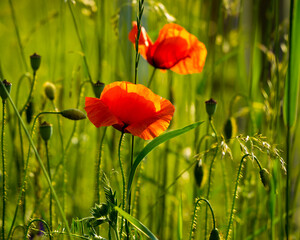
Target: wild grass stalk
(4,171)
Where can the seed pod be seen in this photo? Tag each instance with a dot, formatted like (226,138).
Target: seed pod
(73,114)
(199,173)
(214,235)
(50,90)
(29,112)
(230,128)
(46,131)
(265,178)
(7,85)
(35,61)
(98,88)
(211,106)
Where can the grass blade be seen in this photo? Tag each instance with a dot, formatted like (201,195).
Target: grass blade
(153,144)
(137,224)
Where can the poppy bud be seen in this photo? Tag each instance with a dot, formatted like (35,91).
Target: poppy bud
(211,106)
(7,85)
(265,178)
(230,128)
(29,112)
(49,89)
(98,88)
(214,235)
(199,173)
(46,131)
(35,61)
(73,114)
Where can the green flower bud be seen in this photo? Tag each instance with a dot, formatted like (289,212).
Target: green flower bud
(29,112)
(230,128)
(73,114)
(199,173)
(98,88)
(35,61)
(50,90)
(265,178)
(214,235)
(7,85)
(46,131)
(211,106)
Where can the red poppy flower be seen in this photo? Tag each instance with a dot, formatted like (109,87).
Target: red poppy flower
(174,49)
(131,108)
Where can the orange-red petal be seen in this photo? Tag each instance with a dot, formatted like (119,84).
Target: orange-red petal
(144,40)
(131,108)
(178,50)
(98,113)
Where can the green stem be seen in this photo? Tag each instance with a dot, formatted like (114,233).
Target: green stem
(98,168)
(37,220)
(194,221)
(80,42)
(22,189)
(30,94)
(235,191)
(123,179)
(49,172)
(63,156)
(18,34)
(3,171)
(41,164)
(151,78)
(288,135)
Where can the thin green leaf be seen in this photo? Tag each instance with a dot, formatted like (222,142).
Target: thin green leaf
(293,76)
(153,144)
(136,223)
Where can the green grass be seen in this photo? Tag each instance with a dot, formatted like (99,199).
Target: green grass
(248,72)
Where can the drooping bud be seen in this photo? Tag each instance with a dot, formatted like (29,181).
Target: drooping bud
(7,86)
(35,61)
(265,178)
(230,128)
(199,173)
(98,88)
(29,111)
(211,106)
(50,90)
(73,114)
(46,131)
(214,235)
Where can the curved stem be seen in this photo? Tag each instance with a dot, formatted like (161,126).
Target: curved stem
(23,188)
(3,171)
(49,172)
(193,226)
(235,195)
(37,220)
(40,162)
(151,78)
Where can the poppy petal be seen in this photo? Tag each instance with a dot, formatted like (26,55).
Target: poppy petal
(153,126)
(178,50)
(98,113)
(144,41)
